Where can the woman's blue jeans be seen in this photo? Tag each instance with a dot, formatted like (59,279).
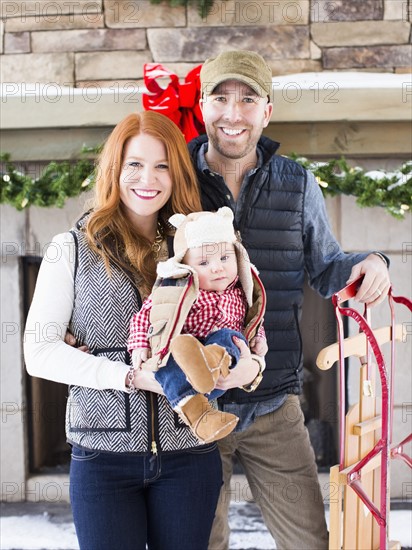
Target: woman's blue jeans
(173,380)
(124,502)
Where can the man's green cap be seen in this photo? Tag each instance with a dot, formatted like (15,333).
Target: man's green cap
(248,67)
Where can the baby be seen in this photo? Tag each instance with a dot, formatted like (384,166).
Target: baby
(206,295)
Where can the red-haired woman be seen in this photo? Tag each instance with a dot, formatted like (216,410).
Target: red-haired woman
(138,475)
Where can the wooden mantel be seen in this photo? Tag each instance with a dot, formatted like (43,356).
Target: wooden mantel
(357,114)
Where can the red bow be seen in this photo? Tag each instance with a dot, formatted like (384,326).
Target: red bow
(179,102)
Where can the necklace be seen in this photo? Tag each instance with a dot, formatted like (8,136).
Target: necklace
(157,243)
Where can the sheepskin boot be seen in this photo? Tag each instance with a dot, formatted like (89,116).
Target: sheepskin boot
(201,364)
(208,424)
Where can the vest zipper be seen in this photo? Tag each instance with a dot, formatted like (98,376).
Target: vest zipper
(296,316)
(153,446)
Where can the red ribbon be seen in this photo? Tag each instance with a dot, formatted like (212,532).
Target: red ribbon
(179,102)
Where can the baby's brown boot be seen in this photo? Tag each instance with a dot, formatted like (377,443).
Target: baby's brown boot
(201,364)
(208,424)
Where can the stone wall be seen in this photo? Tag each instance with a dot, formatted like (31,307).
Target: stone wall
(106,42)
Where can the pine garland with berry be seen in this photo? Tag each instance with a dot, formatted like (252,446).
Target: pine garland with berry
(390,190)
(62,180)
(57,182)
(204,7)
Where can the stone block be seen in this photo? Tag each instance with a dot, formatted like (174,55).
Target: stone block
(35,68)
(75,21)
(16,42)
(379,230)
(13,470)
(89,110)
(142,14)
(315,51)
(66,142)
(346,10)
(181,69)
(88,40)
(395,10)
(58,220)
(131,88)
(197,44)
(12,228)
(293,66)
(111,65)
(48,488)
(365,33)
(1,36)
(44,9)
(245,13)
(12,369)
(339,138)
(362,57)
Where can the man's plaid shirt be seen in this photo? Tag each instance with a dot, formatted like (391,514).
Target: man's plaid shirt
(211,311)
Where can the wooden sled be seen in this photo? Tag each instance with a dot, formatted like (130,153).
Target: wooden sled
(359,484)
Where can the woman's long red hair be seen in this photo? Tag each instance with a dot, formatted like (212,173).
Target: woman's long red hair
(109,231)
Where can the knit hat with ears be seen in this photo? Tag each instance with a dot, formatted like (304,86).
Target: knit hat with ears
(208,228)
(202,228)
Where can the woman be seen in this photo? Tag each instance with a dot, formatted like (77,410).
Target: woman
(138,475)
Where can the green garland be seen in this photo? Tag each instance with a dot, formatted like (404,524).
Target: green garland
(58,182)
(204,6)
(61,180)
(390,190)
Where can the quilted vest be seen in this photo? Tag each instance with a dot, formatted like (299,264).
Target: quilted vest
(269,216)
(112,420)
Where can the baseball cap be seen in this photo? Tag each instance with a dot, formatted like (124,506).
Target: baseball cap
(246,66)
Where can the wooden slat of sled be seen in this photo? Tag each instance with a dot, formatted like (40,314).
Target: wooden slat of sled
(335,510)
(366,444)
(356,346)
(350,499)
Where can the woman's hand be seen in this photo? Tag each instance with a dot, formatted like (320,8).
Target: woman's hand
(245,372)
(145,380)
(70,340)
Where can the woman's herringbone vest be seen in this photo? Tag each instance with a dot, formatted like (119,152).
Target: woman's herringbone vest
(112,420)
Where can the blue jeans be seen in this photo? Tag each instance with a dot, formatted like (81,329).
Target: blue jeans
(173,380)
(166,501)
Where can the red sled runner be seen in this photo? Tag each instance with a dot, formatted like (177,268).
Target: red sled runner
(360,483)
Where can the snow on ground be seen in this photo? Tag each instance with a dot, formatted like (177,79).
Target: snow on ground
(36,533)
(43,532)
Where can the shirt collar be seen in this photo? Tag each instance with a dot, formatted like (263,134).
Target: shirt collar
(204,167)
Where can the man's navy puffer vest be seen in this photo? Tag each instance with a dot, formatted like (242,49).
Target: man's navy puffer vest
(269,216)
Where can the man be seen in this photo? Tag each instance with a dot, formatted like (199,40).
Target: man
(280,214)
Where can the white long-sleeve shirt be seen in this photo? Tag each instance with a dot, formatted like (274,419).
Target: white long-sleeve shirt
(45,352)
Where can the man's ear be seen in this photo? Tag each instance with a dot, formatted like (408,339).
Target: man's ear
(268,114)
(201,102)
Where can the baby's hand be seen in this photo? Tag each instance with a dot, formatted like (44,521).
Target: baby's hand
(259,346)
(139,356)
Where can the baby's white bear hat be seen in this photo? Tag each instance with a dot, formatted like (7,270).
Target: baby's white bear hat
(203,229)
